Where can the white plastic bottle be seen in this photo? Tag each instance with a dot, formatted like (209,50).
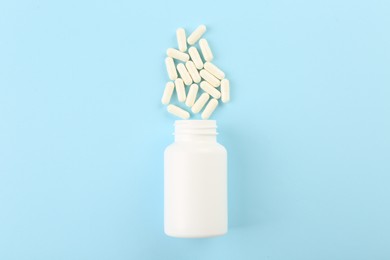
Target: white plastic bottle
(195,182)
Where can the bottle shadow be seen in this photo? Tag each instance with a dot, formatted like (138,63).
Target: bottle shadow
(246,176)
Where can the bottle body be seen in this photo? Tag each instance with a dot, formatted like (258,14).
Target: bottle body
(195,182)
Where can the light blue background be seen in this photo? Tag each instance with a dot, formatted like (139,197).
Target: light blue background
(82,130)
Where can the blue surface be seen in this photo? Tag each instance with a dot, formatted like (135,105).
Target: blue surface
(82,130)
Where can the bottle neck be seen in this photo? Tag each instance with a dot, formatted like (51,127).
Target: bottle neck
(195,131)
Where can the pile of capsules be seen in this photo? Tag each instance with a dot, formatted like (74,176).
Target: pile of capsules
(191,71)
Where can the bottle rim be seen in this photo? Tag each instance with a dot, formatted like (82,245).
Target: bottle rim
(196,127)
(196,123)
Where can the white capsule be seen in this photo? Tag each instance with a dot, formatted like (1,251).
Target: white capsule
(195,57)
(191,96)
(209,109)
(181,39)
(206,51)
(214,70)
(200,103)
(184,74)
(180,91)
(177,111)
(171,68)
(225,90)
(178,55)
(210,78)
(210,89)
(168,91)
(193,71)
(195,35)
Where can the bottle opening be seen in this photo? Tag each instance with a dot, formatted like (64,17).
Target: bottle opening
(196,127)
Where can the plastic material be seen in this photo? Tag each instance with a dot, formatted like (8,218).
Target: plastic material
(195,182)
